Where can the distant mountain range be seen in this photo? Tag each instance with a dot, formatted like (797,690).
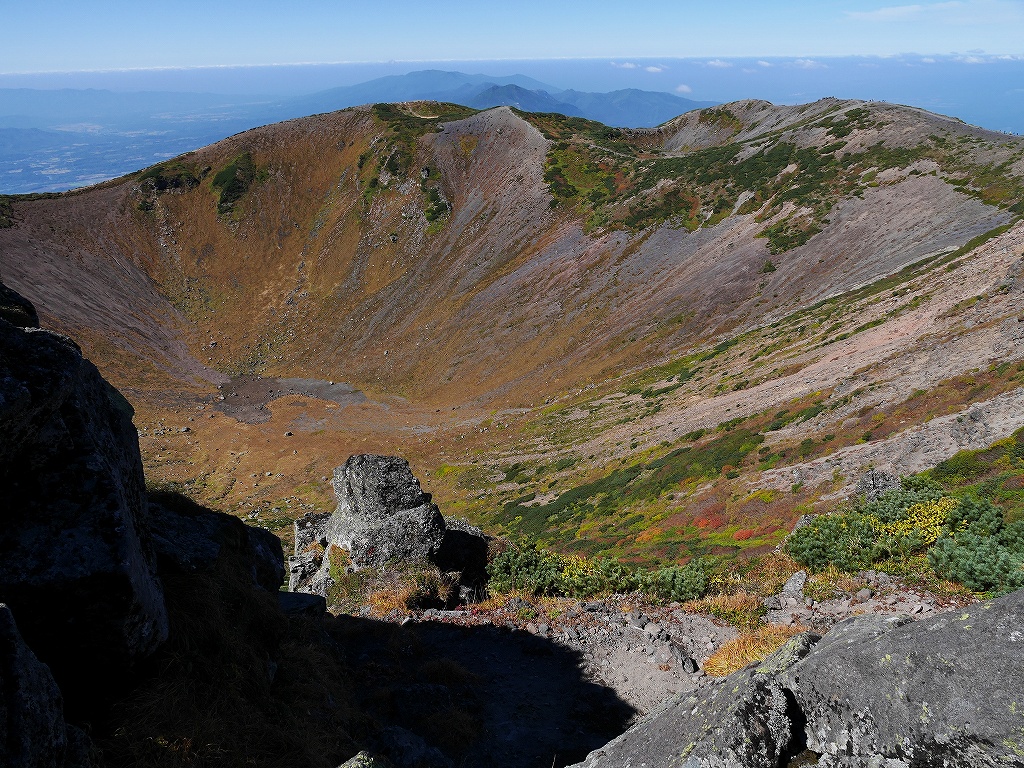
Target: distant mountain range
(627,108)
(53,140)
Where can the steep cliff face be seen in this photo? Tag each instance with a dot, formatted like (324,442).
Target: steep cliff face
(76,560)
(84,554)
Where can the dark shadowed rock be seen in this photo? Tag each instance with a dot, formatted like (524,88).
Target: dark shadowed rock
(189,538)
(298,604)
(16,309)
(32,729)
(463,549)
(404,749)
(944,691)
(75,563)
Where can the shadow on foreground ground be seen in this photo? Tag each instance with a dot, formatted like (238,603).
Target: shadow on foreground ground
(484,696)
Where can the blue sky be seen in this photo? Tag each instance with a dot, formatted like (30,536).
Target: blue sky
(51,35)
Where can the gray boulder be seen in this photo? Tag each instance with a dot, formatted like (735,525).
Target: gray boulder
(944,691)
(746,720)
(742,724)
(367,760)
(383,517)
(309,569)
(875,692)
(75,562)
(875,482)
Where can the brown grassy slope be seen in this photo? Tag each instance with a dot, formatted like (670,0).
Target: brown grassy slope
(508,300)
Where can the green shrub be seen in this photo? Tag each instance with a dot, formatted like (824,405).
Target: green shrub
(6,213)
(681,583)
(524,569)
(898,523)
(542,572)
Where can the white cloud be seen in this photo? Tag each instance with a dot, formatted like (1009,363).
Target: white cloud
(765,64)
(625,65)
(970,59)
(949,12)
(683,88)
(658,68)
(900,12)
(718,63)
(927,60)
(809,64)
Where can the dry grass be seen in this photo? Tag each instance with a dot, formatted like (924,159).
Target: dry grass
(423,587)
(750,647)
(741,609)
(830,583)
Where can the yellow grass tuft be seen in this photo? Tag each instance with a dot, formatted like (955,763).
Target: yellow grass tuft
(741,609)
(750,647)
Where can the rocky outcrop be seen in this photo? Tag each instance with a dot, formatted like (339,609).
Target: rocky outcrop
(76,567)
(188,538)
(872,692)
(875,482)
(383,517)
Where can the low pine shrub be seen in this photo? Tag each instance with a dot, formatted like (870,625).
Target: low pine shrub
(965,540)
(979,550)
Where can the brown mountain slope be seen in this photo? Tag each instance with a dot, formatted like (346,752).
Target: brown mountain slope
(436,258)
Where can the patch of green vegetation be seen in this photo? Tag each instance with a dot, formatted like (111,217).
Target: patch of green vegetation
(171,175)
(396,154)
(852,119)
(539,571)
(234,181)
(959,537)
(621,488)
(437,206)
(614,178)
(788,234)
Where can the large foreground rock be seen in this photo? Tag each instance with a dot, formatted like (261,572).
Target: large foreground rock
(76,567)
(383,517)
(745,721)
(875,692)
(945,691)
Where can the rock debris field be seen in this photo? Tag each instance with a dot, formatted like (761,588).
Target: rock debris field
(647,653)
